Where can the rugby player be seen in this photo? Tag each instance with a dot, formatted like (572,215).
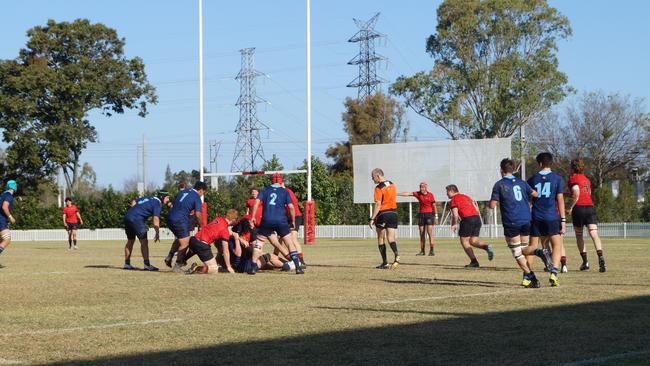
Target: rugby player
(7,203)
(548,218)
(384,217)
(427,216)
(178,221)
(512,194)
(71,220)
(134,226)
(298,221)
(217,233)
(274,222)
(582,211)
(464,210)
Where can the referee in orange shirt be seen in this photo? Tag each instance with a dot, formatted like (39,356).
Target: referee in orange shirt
(384,217)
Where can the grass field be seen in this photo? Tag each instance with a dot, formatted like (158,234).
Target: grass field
(61,307)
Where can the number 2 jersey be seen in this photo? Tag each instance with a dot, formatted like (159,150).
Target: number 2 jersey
(548,185)
(512,194)
(274,198)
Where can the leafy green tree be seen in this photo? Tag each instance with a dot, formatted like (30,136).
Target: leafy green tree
(324,191)
(378,119)
(65,71)
(495,67)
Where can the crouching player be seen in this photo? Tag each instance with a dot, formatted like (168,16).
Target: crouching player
(512,194)
(216,232)
(548,219)
(464,210)
(134,225)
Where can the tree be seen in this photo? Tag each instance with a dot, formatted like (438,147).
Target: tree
(608,131)
(495,67)
(65,71)
(378,119)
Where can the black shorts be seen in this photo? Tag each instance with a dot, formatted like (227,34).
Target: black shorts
(269,229)
(540,228)
(299,222)
(425,218)
(470,226)
(583,216)
(71,225)
(201,249)
(386,219)
(510,231)
(135,229)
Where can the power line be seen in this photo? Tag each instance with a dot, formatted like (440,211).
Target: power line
(367,81)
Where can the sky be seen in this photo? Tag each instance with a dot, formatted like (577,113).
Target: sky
(607,51)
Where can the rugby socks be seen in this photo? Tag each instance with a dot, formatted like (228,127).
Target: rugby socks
(127,262)
(393,247)
(563,260)
(69,243)
(382,251)
(584,257)
(146,262)
(554,271)
(2,250)
(74,242)
(599,252)
(300,256)
(295,259)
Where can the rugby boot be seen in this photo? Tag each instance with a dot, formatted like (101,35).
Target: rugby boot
(601,264)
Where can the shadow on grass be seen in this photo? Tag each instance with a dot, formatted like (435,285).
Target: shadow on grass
(607,331)
(462,267)
(444,282)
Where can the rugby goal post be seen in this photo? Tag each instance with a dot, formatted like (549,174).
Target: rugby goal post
(472,165)
(309,209)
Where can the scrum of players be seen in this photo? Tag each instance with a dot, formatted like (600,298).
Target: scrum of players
(533,215)
(272,216)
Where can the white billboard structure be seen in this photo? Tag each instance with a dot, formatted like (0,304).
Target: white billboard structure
(472,165)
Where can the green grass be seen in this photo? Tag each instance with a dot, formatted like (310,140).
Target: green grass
(79,308)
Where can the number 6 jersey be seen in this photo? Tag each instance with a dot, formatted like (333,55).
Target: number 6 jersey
(512,194)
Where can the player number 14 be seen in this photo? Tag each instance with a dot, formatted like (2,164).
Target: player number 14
(544,190)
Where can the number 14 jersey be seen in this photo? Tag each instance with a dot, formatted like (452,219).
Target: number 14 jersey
(548,185)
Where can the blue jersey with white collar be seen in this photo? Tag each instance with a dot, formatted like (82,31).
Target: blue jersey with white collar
(512,194)
(144,208)
(548,185)
(185,202)
(274,198)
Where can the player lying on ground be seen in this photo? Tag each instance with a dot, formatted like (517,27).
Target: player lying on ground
(427,215)
(6,205)
(512,195)
(216,232)
(274,222)
(71,220)
(464,209)
(384,217)
(582,211)
(134,225)
(546,218)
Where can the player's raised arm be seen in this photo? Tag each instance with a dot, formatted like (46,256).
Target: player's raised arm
(405,194)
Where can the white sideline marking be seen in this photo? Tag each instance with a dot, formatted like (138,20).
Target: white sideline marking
(90,327)
(606,358)
(4,361)
(522,290)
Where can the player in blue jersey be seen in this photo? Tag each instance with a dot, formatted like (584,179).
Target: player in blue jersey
(512,194)
(275,200)
(178,221)
(548,220)
(134,225)
(6,205)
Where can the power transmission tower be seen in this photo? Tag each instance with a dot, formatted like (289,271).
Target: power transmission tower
(249,154)
(215,146)
(367,82)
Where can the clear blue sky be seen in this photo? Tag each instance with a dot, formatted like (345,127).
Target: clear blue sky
(608,51)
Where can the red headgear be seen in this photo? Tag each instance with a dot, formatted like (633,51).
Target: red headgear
(276,178)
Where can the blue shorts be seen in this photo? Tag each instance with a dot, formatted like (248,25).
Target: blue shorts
(180,229)
(269,229)
(545,228)
(135,229)
(4,224)
(510,231)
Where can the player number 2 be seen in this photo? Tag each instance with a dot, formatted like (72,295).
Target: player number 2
(518,195)
(273,198)
(544,190)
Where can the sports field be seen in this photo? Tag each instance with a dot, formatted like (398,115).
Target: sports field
(79,307)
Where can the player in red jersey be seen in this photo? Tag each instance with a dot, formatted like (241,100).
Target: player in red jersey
(427,217)
(583,213)
(249,206)
(71,221)
(464,210)
(216,232)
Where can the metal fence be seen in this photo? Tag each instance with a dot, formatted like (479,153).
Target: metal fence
(623,230)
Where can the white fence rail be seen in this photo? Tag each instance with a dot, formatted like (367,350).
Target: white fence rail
(623,230)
